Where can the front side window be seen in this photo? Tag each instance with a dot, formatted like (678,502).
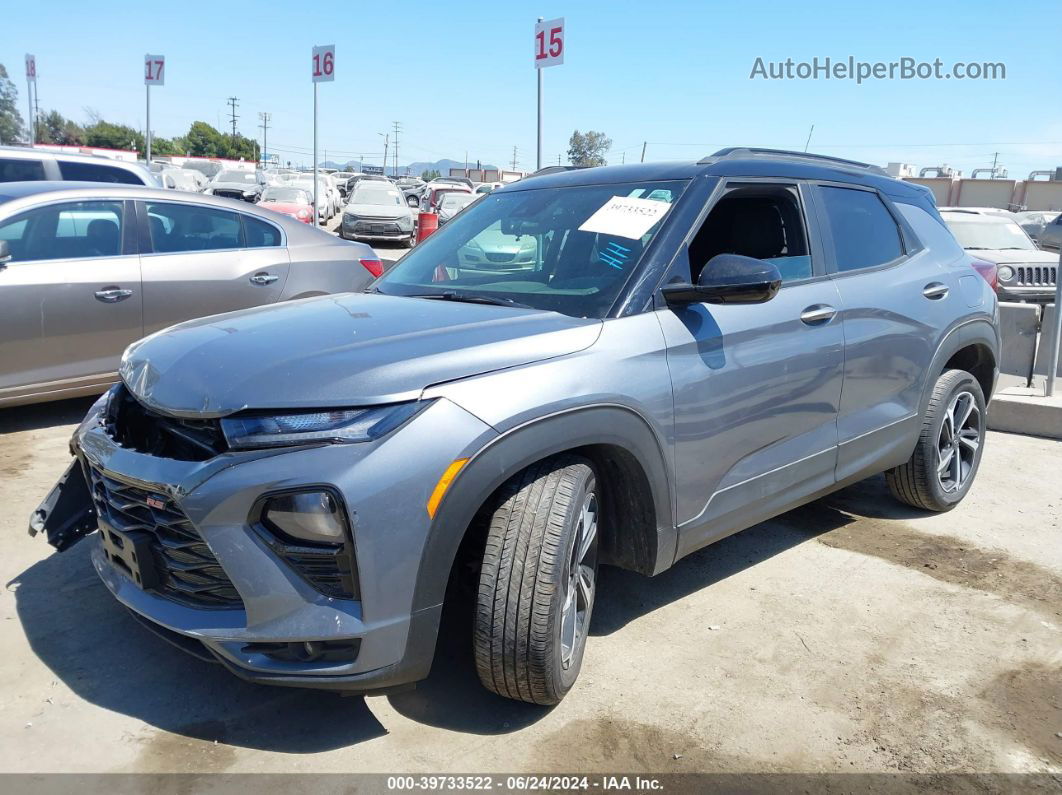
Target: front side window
(189,227)
(569,250)
(863,230)
(18,170)
(73,230)
(96,172)
(760,221)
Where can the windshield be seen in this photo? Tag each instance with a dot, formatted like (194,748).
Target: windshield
(236,176)
(375,196)
(569,250)
(455,201)
(285,195)
(989,234)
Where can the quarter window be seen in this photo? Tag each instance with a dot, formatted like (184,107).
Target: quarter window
(12,170)
(188,227)
(74,230)
(260,234)
(863,230)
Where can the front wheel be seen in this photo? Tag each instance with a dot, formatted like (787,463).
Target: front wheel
(538,581)
(942,468)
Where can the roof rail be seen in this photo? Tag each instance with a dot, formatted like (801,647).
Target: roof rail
(748,151)
(554,170)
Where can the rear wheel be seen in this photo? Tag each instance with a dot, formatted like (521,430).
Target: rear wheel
(943,466)
(538,581)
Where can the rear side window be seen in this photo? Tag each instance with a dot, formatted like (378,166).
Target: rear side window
(96,172)
(259,234)
(863,230)
(12,170)
(74,230)
(189,227)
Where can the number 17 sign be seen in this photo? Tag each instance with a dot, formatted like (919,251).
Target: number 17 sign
(549,43)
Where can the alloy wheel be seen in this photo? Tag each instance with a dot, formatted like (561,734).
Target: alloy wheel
(958,442)
(580,584)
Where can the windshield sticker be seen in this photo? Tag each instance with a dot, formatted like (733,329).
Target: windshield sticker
(614,255)
(625,216)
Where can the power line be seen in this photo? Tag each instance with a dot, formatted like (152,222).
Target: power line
(234,102)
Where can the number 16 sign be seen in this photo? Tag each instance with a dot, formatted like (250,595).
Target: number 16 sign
(549,43)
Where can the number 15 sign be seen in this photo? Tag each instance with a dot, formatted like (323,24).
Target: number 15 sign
(549,43)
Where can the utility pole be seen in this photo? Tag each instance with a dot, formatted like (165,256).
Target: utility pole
(995,159)
(398,129)
(515,161)
(233,103)
(36,111)
(644,144)
(387,141)
(265,133)
(558,160)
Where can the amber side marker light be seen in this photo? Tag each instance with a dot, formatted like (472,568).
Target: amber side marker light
(443,484)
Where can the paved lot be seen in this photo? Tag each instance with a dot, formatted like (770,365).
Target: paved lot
(850,635)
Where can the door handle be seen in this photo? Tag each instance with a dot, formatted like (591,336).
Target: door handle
(263,278)
(112,295)
(934,291)
(817,314)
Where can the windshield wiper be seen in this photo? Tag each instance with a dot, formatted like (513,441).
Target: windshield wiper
(470,298)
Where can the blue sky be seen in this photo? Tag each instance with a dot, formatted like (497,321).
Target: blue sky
(459,75)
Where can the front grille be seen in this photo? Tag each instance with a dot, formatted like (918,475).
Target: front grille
(500,256)
(377,228)
(1036,275)
(229,194)
(182,566)
(136,427)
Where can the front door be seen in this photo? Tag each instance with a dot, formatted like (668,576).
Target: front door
(756,387)
(70,295)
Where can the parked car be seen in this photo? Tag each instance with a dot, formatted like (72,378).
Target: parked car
(20,164)
(328,201)
(1034,221)
(1024,272)
(294,202)
(487,187)
(378,211)
(86,269)
(1051,235)
(452,202)
(649,384)
(434,191)
(232,184)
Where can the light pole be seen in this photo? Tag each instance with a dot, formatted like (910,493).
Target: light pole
(387,141)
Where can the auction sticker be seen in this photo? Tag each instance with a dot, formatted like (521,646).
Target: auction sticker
(625,216)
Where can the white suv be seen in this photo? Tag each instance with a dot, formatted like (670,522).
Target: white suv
(21,164)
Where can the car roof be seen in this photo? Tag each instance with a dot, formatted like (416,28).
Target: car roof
(730,162)
(967,214)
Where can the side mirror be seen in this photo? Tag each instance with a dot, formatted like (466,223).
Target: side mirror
(5,253)
(728,279)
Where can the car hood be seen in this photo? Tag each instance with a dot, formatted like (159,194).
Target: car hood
(1007,257)
(377,210)
(354,349)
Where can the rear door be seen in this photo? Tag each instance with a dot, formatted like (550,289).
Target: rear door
(71,294)
(897,296)
(201,260)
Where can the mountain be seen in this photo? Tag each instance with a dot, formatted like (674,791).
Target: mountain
(415,169)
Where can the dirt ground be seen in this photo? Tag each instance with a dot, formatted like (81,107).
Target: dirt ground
(850,635)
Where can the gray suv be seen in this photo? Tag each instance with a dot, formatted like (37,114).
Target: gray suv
(613,366)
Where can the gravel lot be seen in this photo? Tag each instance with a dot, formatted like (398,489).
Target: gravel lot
(850,635)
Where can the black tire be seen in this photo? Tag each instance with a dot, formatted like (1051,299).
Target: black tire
(526,577)
(409,242)
(919,482)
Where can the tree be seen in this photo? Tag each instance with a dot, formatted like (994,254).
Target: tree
(588,149)
(11,129)
(108,135)
(202,140)
(54,128)
(428,176)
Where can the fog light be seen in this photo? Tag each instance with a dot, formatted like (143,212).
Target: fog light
(308,516)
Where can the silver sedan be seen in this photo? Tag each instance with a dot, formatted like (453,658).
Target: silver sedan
(87,268)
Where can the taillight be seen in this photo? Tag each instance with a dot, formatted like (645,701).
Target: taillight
(373,266)
(989,270)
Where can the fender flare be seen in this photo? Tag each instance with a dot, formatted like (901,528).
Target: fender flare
(512,451)
(978,331)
